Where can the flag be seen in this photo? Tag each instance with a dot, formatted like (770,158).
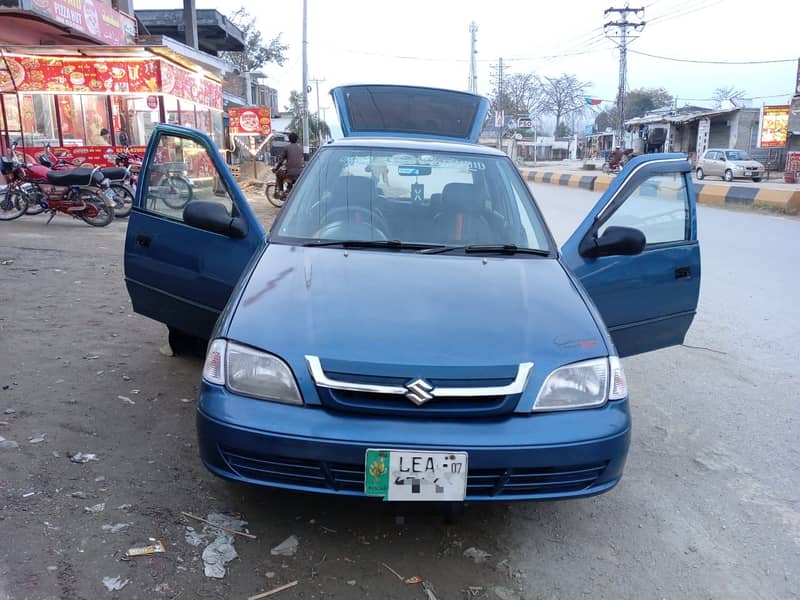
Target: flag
(592,101)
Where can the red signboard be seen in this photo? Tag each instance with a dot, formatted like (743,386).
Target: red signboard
(93,18)
(190,86)
(774,123)
(250,121)
(102,75)
(81,156)
(107,75)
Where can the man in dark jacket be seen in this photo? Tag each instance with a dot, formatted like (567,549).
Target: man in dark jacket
(290,164)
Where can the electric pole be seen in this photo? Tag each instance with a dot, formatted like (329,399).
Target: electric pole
(473,70)
(306,149)
(499,114)
(619,32)
(316,82)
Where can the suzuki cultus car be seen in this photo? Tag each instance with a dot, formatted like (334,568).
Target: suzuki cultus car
(408,328)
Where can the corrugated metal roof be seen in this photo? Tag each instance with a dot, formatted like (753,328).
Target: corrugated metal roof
(678,118)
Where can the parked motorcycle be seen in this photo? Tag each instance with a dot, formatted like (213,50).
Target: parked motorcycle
(120,182)
(81,193)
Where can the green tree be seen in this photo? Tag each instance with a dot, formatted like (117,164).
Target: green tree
(316,127)
(257,52)
(638,102)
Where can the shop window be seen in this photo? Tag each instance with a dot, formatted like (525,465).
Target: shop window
(188,118)
(83,119)
(38,119)
(137,119)
(217,131)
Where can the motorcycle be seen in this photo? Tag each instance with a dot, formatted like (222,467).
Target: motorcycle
(84,194)
(120,182)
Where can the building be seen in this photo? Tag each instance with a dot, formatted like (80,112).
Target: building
(693,129)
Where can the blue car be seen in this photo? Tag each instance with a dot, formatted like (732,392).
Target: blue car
(408,329)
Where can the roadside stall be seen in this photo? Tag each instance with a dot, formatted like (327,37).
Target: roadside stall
(90,103)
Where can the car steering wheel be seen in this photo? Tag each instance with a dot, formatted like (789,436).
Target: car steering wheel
(355,230)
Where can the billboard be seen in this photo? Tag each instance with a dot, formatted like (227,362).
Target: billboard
(94,18)
(774,122)
(251,120)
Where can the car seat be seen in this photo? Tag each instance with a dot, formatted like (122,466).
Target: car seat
(460,220)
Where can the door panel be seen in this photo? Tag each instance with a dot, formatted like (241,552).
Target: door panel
(647,300)
(176,273)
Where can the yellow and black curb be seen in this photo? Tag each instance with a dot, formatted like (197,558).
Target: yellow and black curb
(787,201)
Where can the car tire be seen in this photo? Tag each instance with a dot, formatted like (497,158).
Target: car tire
(728,176)
(700,173)
(756,179)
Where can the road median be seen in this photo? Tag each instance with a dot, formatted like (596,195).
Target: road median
(786,201)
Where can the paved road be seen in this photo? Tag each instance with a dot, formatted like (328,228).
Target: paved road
(708,508)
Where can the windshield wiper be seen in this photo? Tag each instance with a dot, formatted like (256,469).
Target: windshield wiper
(390,244)
(489,249)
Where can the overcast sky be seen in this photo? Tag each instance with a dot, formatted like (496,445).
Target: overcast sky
(427,42)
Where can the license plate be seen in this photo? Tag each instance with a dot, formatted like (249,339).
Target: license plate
(398,475)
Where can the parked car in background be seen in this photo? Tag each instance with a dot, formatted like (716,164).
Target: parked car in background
(416,335)
(730,164)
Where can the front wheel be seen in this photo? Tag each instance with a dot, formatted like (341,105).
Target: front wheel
(176,192)
(37,201)
(728,175)
(13,205)
(756,179)
(123,200)
(276,198)
(96,212)
(700,173)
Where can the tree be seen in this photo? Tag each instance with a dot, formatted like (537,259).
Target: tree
(316,127)
(637,103)
(563,130)
(729,93)
(256,52)
(564,96)
(523,94)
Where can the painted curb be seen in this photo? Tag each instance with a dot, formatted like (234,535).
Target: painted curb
(787,201)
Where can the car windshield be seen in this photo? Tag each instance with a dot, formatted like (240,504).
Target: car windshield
(737,155)
(418,198)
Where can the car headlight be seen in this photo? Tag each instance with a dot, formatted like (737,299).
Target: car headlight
(586,384)
(250,372)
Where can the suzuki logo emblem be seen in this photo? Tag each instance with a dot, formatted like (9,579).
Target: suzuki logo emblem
(418,391)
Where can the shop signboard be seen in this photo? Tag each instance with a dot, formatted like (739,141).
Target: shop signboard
(81,156)
(255,120)
(774,123)
(93,18)
(107,75)
(101,75)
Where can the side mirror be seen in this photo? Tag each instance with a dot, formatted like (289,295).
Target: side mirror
(615,241)
(212,216)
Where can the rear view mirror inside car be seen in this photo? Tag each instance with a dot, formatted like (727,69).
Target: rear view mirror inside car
(413,170)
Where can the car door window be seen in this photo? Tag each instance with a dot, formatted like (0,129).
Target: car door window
(183,171)
(658,207)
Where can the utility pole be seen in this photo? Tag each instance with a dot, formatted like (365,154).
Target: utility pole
(316,82)
(473,69)
(306,149)
(499,114)
(618,31)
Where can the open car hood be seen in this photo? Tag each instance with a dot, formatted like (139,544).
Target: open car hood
(409,111)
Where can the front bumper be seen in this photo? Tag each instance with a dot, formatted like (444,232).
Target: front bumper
(521,457)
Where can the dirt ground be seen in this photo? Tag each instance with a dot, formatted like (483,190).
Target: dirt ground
(82,373)
(696,516)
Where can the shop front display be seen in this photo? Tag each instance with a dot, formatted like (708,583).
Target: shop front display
(88,109)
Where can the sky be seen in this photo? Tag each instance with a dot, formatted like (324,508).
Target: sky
(427,42)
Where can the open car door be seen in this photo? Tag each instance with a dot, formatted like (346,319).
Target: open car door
(410,111)
(190,235)
(637,254)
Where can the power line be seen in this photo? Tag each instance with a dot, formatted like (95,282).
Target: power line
(717,62)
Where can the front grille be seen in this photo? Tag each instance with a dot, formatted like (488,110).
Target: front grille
(481,483)
(399,405)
